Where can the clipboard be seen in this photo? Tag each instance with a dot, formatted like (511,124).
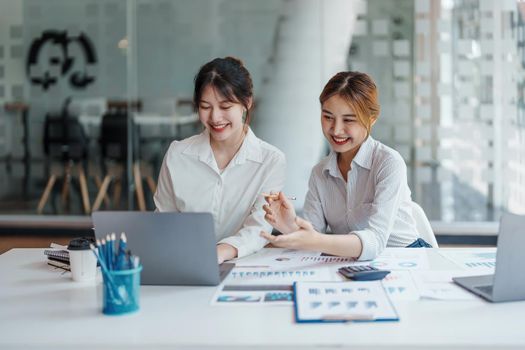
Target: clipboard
(342,302)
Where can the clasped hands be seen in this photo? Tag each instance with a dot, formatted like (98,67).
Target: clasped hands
(297,233)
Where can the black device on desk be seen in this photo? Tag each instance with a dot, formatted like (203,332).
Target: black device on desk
(363,273)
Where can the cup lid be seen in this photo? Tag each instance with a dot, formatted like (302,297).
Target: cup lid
(80,243)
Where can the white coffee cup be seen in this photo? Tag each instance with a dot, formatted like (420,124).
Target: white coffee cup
(82,261)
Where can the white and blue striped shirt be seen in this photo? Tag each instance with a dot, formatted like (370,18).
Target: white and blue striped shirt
(374,204)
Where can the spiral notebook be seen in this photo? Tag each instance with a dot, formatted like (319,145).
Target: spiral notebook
(342,302)
(58,255)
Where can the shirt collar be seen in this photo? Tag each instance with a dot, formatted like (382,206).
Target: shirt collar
(331,165)
(250,149)
(200,147)
(363,158)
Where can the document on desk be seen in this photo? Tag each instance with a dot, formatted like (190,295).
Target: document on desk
(281,258)
(266,277)
(400,286)
(438,285)
(483,262)
(402,259)
(264,286)
(342,302)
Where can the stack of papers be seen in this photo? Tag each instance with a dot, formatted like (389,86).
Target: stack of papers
(267,277)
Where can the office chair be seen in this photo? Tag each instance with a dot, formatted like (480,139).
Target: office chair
(114,155)
(65,141)
(423,225)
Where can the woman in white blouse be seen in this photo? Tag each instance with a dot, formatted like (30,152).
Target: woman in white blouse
(359,191)
(224,169)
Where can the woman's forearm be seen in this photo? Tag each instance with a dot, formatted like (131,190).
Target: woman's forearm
(226,252)
(348,245)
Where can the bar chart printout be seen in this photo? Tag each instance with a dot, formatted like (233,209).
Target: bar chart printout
(484,261)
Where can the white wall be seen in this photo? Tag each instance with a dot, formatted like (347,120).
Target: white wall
(313,43)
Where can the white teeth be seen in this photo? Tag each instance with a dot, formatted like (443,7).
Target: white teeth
(338,139)
(220,126)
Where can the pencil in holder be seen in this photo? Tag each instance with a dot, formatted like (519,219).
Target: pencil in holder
(121,291)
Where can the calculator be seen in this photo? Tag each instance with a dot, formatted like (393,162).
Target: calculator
(363,273)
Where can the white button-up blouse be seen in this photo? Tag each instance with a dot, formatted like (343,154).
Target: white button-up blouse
(374,203)
(190,181)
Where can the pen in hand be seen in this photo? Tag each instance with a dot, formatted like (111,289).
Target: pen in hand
(275,196)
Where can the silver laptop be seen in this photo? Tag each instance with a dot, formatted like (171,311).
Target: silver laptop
(508,281)
(174,248)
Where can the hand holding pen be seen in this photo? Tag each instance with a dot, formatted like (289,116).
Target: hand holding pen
(275,196)
(280,212)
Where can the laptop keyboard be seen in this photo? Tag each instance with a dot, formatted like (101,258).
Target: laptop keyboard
(485,289)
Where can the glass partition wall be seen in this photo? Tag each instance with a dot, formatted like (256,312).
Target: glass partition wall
(93,92)
(65,69)
(450,75)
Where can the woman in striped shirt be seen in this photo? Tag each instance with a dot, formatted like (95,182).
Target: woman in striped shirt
(359,192)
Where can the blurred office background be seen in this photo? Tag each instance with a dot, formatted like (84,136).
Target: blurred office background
(92,92)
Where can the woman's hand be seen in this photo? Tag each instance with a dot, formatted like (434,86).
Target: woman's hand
(225,252)
(305,238)
(280,213)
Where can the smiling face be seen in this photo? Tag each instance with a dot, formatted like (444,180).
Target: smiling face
(341,126)
(222,117)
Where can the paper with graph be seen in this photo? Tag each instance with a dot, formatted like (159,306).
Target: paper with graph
(438,285)
(264,286)
(280,258)
(402,259)
(484,261)
(342,301)
(400,286)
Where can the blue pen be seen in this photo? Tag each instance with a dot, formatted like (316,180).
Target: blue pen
(109,252)
(103,249)
(113,251)
(129,262)
(99,248)
(98,245)
(121,256)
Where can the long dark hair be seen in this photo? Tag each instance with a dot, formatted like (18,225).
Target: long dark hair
(230,78)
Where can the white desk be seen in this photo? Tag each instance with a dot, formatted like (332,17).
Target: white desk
(40,308)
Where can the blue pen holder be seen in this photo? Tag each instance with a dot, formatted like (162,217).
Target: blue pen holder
(121,291)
